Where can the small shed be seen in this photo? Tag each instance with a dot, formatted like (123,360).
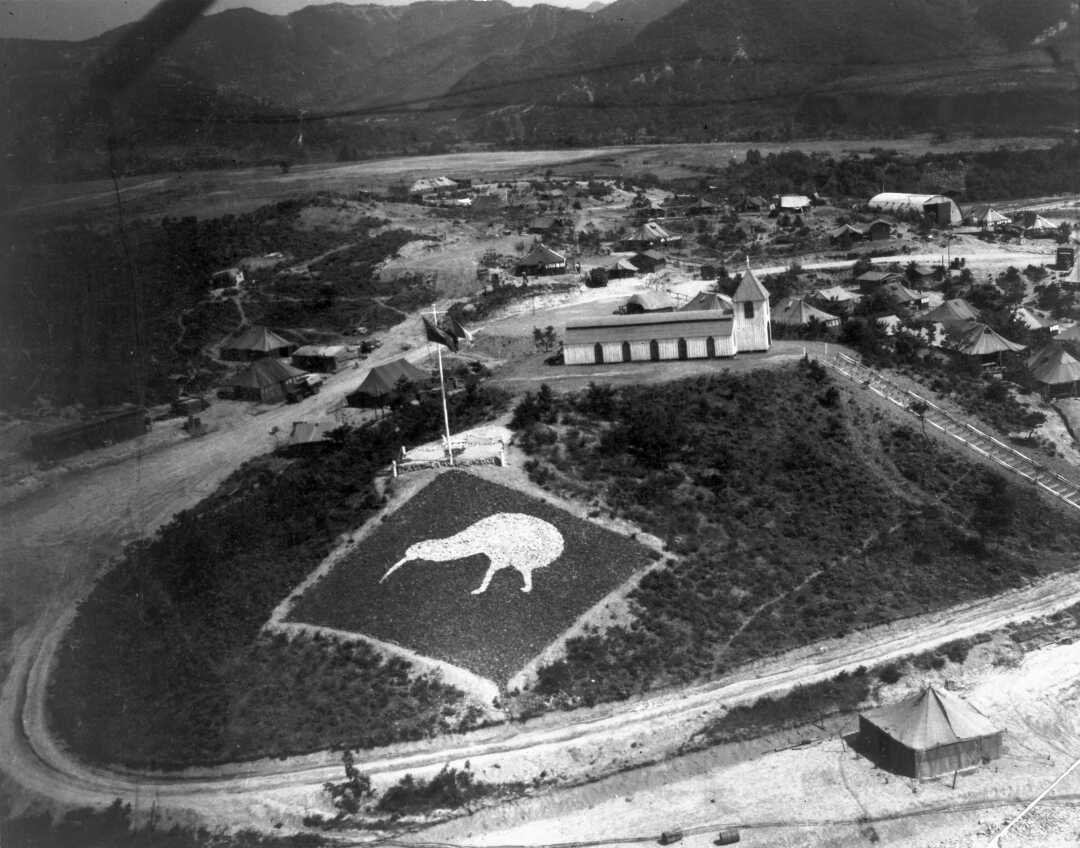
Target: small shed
(265,381)
(325,359)
(253,343)
(381,383)
(928,734)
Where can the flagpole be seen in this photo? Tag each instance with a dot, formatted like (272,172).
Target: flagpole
(442,388)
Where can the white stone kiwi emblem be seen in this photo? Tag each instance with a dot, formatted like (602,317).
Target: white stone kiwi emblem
(508,539)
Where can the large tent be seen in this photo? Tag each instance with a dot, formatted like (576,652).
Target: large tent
(381,382)
(928,734)
(938,208)
(796,312)
(1055,369)
(953,311)
(255,343)
(982,340)
(265,380)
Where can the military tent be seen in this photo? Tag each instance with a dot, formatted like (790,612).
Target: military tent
(255,343)
(265,381)
(981,340)
(953,311)
(1055,370)
(928,734)
(380,384)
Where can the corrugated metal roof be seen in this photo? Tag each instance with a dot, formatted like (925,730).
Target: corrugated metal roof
(662,325)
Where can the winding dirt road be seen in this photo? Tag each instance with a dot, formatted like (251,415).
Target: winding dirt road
(70,530)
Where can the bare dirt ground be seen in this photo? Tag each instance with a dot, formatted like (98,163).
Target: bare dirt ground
(54,541)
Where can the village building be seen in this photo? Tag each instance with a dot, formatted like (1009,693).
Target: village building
(955,311)
(325,359)
(794,203)
(846,235)
(680,335)
(707,300)
(541,261)
(837,299)
(871,281)
(432,186)
(928,734)
(936,208)
(796,312)
(650,301)
(649,235)
(904,297)
(648,261)
(255,343)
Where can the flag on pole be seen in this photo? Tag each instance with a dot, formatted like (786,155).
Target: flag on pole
(455,329)
(434,334)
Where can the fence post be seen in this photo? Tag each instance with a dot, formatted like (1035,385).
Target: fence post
(393,467)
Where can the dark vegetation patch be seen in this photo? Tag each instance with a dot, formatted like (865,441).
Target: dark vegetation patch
(427,606)
(112,827)
(798,516)
(164,664)
(89,315)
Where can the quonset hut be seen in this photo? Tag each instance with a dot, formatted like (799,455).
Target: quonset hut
(928,734)
(695,334)
(938,208)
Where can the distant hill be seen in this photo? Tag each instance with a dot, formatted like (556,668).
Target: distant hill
(636,70)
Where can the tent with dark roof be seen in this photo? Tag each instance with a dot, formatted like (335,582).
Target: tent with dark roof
(255,343)
(928,734)
(953,311)
(1055,369)
(982,340)
(381,383)
(265,381)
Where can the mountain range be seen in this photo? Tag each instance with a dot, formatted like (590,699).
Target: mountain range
(430,74)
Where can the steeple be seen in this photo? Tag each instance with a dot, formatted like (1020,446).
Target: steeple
(749,288)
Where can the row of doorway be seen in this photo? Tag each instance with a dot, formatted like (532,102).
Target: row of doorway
(654,351)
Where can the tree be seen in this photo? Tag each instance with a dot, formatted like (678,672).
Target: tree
(356,787)
(598,278)
(920,408)
(545,340)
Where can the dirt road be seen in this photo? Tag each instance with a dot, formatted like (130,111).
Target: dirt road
(64,536)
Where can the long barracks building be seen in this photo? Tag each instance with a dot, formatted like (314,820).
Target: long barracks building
(696,334)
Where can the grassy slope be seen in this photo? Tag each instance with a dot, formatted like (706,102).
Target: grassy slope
(799,515)
(165,664)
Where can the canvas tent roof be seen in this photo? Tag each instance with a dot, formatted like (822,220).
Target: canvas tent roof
(986,216)
(649,231)
(706,300)
(1032,319)
(382,378)
(930,719)
(255,338)
(796,311)
(262,374)
(1073,276)
(1054,366)
(952,311)
(750,288)
(982,340)
(838,293)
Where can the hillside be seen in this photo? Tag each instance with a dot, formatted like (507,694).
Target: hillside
(635,70)
(790,509)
